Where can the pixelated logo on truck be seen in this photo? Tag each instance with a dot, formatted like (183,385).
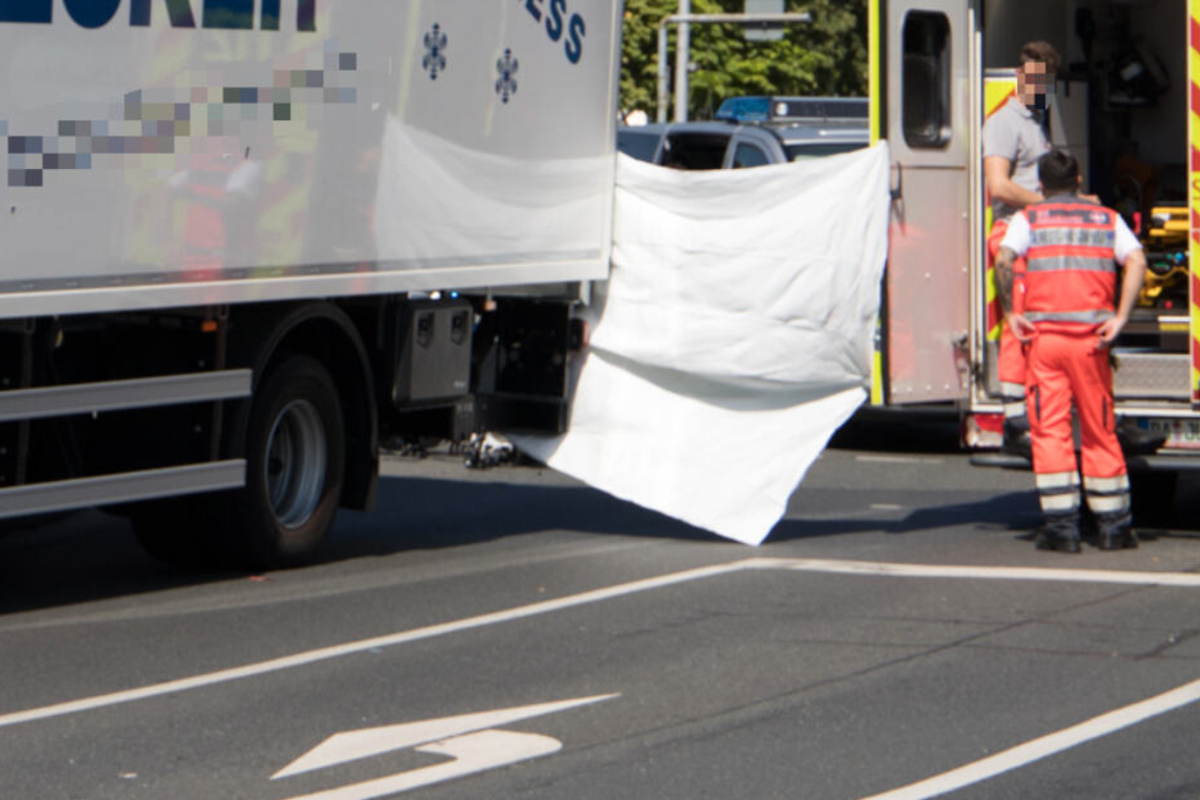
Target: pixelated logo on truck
(223,14)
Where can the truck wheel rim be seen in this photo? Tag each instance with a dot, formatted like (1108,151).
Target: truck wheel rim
(295,463)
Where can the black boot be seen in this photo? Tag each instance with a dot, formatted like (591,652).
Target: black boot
(1115,532)
(1059,532)
(1017,439)
(1137,441)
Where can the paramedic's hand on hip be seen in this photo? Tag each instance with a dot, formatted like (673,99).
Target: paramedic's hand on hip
(1108,331)
(1022,328)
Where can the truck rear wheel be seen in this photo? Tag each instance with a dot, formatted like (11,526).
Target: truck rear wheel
(295,459)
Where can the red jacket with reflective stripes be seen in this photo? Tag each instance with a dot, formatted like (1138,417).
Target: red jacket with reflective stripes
(1071,269)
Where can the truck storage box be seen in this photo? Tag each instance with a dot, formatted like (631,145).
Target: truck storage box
(433,340)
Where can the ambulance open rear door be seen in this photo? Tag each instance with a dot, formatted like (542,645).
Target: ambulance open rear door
(923,104)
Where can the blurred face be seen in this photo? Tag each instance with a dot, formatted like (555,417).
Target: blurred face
(1034,84)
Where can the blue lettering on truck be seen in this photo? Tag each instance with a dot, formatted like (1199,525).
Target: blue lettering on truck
(575,39)
(227,14)
(554,22)
(554,14)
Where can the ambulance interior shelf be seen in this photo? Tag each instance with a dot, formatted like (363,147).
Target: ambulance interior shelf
(1151,198)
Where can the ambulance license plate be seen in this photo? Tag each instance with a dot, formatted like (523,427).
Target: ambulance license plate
(1182,434)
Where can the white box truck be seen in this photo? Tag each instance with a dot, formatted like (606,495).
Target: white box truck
(245,242)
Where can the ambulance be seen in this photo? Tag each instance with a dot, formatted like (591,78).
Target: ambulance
(1125,104)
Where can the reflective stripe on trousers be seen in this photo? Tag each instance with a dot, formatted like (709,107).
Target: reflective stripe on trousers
(1107,496)
(1013,394)
(1058,492)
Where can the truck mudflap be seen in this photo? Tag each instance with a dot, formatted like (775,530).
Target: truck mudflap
(522,364)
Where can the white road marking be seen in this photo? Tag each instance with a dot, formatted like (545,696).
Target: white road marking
(1182,579)
(475,752)
(572,601)
(342,748)
(897,460)
(886,507)
(366,645)
(1038,749)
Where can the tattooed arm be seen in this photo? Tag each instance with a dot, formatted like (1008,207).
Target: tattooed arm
(1004,278)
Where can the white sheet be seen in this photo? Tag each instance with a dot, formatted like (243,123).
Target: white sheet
(733,338)
(448,204)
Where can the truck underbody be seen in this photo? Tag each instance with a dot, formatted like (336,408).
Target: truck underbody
(247,426)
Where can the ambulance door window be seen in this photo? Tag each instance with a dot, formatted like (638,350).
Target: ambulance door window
(926,80)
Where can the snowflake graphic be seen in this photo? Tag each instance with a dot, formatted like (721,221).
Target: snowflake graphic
(435,52)
(506,84)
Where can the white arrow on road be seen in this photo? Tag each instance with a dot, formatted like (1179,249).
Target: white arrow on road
(466,738)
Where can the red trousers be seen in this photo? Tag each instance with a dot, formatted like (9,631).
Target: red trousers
(1062,368)
(1011,365)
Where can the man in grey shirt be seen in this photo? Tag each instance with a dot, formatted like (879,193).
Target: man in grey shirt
(1013,141)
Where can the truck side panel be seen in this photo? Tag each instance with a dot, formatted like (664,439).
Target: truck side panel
(162,158)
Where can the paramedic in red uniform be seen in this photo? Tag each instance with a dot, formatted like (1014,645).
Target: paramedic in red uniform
(1068,312)
(1013,141)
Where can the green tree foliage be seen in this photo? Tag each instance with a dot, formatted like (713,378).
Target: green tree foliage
(827,56)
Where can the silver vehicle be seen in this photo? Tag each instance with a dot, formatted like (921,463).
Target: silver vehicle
(754,131)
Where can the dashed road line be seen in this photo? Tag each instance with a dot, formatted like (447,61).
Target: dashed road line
(897,460)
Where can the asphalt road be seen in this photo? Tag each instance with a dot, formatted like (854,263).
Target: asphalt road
(621,653)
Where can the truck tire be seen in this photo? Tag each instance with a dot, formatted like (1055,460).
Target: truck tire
(295,463)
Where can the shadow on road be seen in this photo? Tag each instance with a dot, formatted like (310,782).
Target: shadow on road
(1016,511)
(92,556)
(84,557)
(420,514)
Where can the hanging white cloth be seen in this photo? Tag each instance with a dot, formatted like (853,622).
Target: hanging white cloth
(733,337)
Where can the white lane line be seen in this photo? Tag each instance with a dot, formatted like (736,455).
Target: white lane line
(875,568)
(897,460)
(1038,749)
(866,568)
(350,648)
